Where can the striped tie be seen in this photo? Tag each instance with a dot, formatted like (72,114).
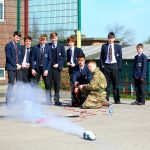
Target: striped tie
(110,53)
(70,55)
(16,48)
(41,55)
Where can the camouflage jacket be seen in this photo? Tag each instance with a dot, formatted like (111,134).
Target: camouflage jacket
(98,82)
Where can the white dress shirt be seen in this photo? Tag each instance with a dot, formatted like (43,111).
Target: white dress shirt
(72,55)
(24,63)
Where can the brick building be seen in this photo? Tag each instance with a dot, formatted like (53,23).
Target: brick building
(8,24)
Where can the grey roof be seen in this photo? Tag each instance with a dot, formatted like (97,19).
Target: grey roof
(130,51)
(90,51)
(93,52)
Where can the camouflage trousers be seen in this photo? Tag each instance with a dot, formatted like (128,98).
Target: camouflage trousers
(92,101)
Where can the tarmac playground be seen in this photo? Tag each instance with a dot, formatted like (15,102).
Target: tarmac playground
(127,129)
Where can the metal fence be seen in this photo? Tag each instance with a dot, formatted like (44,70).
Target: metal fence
(126,82)
(60,16)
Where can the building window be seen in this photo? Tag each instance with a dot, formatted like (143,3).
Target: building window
(2,73)
(1,10)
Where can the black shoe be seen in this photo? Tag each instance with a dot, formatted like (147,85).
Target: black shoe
(75,104)
(117,102)
(107,99)
(58,103)
(141,103)
(134,103)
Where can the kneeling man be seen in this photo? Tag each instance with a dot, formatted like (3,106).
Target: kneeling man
(95,91)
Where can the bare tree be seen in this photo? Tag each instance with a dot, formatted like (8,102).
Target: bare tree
(148,41)
(61,32)
(125,35)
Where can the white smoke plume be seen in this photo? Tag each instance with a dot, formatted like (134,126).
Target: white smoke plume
(26,104)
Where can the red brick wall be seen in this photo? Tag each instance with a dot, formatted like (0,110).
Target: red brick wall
(8,26)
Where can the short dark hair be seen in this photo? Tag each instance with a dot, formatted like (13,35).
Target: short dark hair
(27,38)
(17,33)
(53,34)
(140,45)
(111,35)
(81,56)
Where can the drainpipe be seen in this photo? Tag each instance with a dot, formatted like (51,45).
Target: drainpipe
(18,15)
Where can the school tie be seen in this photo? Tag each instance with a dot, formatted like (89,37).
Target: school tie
(110,53)
(70,54)
(53,46)
(41,55)
(27,55)
(81,71)
(17,58)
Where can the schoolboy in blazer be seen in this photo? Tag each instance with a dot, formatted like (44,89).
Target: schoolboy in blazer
(58,61)
(81,75)
(41,63)
(13,62)
(110,65)
(26,64)
(139,75)
(72,54)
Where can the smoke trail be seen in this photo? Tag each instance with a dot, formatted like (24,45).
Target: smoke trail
(63,124)
(25,104)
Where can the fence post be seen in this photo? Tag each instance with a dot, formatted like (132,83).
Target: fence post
(79,24)
(18,15)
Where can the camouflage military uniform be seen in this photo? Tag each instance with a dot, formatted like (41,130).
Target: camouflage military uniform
(95,90)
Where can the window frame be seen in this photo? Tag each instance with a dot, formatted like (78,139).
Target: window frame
(2,69)
(2,2)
